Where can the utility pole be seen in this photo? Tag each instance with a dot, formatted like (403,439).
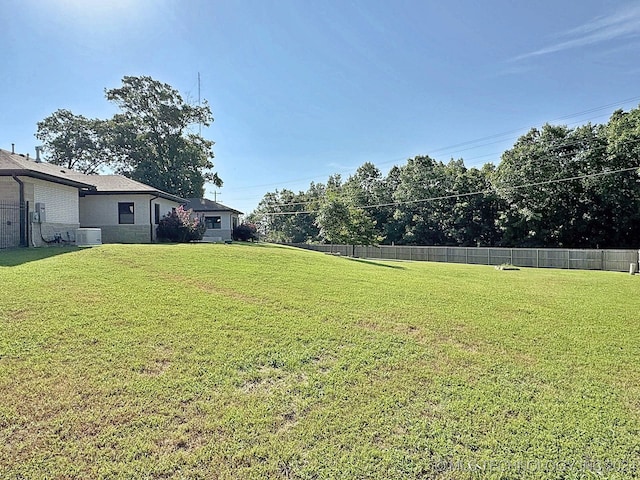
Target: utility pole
(215,195)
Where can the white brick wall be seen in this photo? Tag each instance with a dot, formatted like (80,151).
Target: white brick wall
(9,190)
(61,201)
(101,210)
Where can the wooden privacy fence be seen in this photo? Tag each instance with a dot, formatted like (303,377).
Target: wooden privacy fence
(578,259)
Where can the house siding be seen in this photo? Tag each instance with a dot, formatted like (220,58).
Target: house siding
(125,233)
(61,207)
(61,204)
(101,211)
(225,231)
(9,190)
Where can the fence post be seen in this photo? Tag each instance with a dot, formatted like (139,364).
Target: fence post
(601,259)
(511,256)
(568,259)
(537,258)
(466,255)
(488,256)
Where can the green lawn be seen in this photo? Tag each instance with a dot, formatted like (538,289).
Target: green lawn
(242,361)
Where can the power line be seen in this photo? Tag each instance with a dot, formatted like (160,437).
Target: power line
(479,192)
(550,156)
(470,144)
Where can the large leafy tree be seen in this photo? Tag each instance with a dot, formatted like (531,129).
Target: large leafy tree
(152,138)
(551,179)
(283,216)
(149,140)
(467,216)
(365,193)
(619,194)
(419,179)
(340,223)
(75,142)
(556,187)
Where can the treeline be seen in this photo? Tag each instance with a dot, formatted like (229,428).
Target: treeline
(556,187)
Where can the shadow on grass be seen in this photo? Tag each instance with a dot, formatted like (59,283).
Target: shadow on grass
(13,257)
(253,244)
(267,245)
(370,262)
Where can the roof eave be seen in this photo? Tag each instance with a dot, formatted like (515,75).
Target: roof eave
(157,193)
(47,177)
(232,210)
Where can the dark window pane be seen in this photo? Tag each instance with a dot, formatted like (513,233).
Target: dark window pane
(125,213)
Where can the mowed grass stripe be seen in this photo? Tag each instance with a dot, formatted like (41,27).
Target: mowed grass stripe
(254,361)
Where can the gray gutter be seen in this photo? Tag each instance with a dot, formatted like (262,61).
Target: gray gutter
(151,217)
(24,241)
(47,177)
(158,193)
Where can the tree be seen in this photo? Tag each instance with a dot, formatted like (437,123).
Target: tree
(391,227)
(343,224)
(468,216)
(365,191)
(552,200)
(418,180)
(74,141)
(152,142)
(619,194)
(148,141)
(283,216)
(333,221)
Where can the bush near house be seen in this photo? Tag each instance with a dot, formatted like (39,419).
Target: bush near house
(245,232)
(179,226)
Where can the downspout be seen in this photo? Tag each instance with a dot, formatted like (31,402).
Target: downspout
(151,217)
(24,241)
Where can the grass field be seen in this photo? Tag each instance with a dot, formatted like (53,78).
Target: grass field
(254,361)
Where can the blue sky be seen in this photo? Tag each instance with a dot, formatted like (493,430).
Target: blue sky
(301,89)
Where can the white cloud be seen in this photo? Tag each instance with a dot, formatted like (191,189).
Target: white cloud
(624,23)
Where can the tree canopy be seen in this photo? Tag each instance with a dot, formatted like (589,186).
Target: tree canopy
(149,139)
(555,187)
(74,141)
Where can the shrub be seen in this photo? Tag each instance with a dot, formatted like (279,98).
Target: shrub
(179,226)
(245,232)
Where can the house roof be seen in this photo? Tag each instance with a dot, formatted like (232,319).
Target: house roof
(20,165)
(205,205)
(118,184)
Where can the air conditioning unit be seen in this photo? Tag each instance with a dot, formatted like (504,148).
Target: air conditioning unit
(88,237)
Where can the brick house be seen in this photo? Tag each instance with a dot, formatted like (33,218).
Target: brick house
(41,203)
(27,184)
(219,219)
(125,210)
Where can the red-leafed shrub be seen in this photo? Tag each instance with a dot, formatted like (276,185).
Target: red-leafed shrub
(179,226)
(245,232)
